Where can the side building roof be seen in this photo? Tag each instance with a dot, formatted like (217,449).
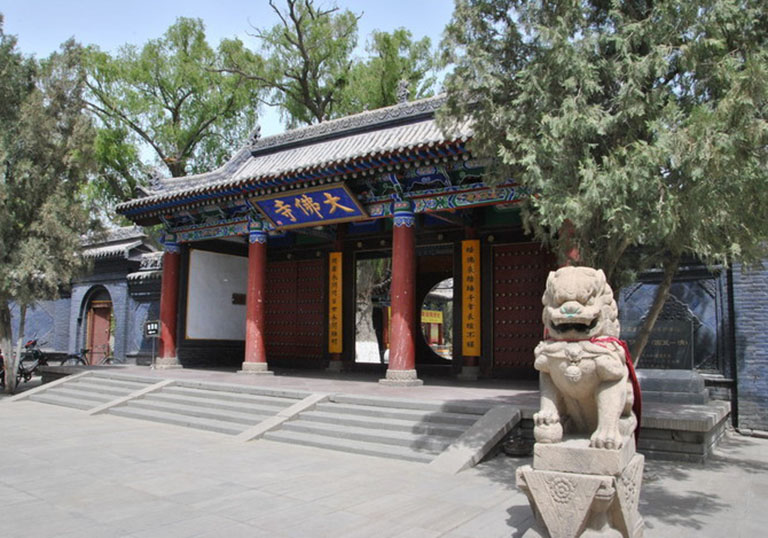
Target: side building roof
(346,147)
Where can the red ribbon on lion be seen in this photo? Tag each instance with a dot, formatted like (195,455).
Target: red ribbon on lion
(637,406)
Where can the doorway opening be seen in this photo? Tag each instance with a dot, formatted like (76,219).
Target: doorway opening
(437,318)
(373,274)
(100,327)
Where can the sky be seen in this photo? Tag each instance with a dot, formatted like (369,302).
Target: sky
(42,25)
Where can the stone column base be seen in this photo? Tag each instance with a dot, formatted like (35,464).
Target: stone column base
(167,363)
(334,366)
(469,373)
(576,491)
(255,368)
(401,378)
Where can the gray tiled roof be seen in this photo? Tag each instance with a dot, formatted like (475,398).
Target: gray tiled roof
(394,129)
(114,243)
(117,250)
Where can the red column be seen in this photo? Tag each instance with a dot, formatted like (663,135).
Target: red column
(402,351)
(169,299)
(255,351)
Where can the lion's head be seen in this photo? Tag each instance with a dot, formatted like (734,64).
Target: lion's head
(579,304)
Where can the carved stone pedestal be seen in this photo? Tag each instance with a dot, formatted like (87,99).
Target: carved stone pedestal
(578,491)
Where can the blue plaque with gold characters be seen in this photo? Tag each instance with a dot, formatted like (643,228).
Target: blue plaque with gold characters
(310,207)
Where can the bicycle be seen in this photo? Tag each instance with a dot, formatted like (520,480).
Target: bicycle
(32,358)
(76,359)
(107,358)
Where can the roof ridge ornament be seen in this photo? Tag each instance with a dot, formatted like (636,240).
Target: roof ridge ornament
(254,136)
(403,91)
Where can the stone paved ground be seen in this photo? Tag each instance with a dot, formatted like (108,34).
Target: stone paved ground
(66,474)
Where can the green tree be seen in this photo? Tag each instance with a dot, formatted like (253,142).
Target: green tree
(307,62)
(171,96)
(640,125)
(392,58)
(304,60)
(46,157)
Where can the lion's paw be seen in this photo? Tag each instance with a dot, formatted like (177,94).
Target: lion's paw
(546,417)
(548,433)
(609,438)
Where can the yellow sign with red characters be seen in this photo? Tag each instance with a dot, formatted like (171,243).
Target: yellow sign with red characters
(334,303)
(431,316)
(470,298)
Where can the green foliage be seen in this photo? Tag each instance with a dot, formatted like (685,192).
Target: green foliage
(392,58)
(172,96)
(641,125)
(46,158)
(306,61)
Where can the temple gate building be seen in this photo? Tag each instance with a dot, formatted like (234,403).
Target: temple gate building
(264,256)
(261,255)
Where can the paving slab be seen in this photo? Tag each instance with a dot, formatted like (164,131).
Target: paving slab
(65,473)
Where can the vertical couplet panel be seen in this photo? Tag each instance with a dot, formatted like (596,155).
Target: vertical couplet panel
(471,341)
(335,310)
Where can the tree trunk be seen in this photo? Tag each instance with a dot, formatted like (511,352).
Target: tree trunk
(6,345)
(19,340)
(366,342)
(670,268)
(370,275)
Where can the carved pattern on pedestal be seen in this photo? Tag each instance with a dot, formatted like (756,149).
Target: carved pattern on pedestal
(562,500)
(628,488)
(561,489)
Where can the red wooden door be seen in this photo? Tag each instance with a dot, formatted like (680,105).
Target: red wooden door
(295,309)
(99,327)
(519,278)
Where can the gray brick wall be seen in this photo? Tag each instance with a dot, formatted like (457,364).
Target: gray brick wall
(750,300)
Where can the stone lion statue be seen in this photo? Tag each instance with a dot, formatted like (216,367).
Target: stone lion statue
(585,381)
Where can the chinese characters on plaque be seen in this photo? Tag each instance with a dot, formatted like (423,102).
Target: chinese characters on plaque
(470,298)
(317,206)
(334,302)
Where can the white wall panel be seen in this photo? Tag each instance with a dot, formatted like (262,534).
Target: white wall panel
(213,280)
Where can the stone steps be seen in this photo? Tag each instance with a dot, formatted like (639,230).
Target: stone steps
(212,409)
(350,445)
(89,392)
(63,400)
(399,414)
(397,428)
(433,444)
(213,425)
(429,428)
(410,430)
(248,417)
(222,400)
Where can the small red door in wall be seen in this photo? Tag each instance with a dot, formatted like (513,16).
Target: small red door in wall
(99,326)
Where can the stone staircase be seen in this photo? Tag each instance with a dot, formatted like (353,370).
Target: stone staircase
(394,428)
(450,436)
(218,409)
(91,391)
